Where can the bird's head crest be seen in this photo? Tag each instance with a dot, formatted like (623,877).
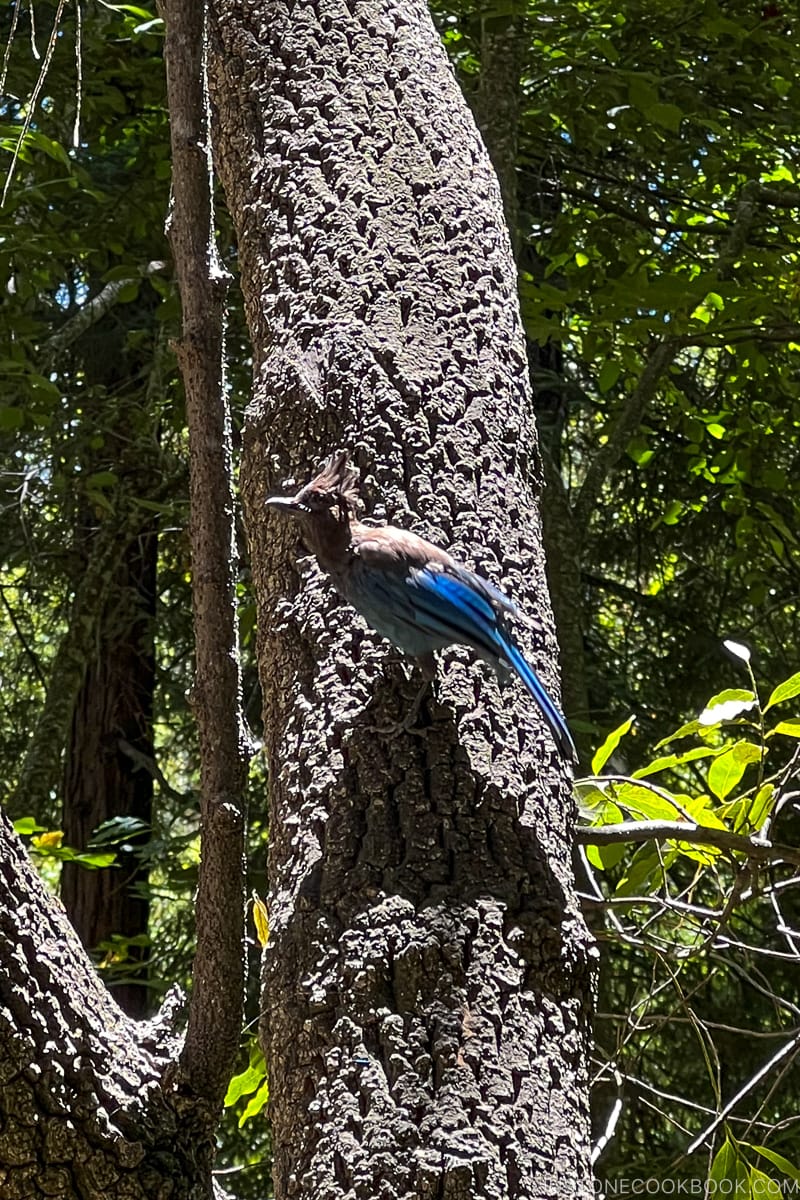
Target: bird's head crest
(333,489)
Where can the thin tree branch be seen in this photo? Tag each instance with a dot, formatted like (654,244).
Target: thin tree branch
(93,311)
(637,832)
(748,1087)
(39,673)
(626,424)
(215,1008)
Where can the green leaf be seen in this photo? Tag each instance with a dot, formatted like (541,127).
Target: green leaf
(102,479)
(777,1160)
(638,449)
(11,418)
(756,812)
(248,1080)
(675,760)
(646,803)
(606,857)
(761,1185)
(256,1104)
(728,1172)
(609,374)
(669,116)
(52,149)
(726,770)
(128,292)
(787,728)
(25,826)
(608,747)
(590,798)
(124,271)
(684,731)
(131,9)
(784,691)
(727,705)
(95,862)
(643,875)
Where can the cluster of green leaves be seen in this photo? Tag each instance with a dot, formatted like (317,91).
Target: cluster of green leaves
(735,1171)
(696,981)
(722,801)
(658,204)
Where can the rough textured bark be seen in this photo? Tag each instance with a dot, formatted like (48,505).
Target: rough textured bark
(107,761)
(504,42)
(86,1105)
(426,980)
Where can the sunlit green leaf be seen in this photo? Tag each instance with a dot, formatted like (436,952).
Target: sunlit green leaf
(785,691)
(726,770)
(602,755)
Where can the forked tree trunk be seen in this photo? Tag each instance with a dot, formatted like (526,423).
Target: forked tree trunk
(87,1101)
(426,982)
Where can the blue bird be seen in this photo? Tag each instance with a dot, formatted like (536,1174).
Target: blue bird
(409,590)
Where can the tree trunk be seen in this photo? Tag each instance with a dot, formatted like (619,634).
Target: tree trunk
(107,771)
(426,981)
(86,1105)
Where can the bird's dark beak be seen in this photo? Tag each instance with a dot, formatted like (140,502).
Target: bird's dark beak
(288,505)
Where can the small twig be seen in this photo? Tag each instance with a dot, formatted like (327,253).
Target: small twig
(31,107)
(626,424)
(22,640)
(611,1123)
(740,1095)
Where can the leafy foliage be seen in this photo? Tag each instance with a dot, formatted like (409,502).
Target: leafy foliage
(697,957)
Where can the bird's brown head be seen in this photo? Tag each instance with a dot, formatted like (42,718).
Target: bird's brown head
(332,492)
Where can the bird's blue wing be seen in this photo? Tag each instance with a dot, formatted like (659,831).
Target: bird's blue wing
(447,606)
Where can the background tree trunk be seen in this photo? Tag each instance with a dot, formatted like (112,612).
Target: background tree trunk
(505,45)
(107,760)
(426,982)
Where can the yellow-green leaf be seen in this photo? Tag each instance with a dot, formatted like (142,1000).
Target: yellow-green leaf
(787,728)
(727,705)
(726,770)
(784,691)
(608,747)
(260,920)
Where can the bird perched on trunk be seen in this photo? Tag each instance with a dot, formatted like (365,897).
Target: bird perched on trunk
(409,590)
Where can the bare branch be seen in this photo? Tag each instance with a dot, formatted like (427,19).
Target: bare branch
(760,1074)
(627,422)
(93,311)
(683,831)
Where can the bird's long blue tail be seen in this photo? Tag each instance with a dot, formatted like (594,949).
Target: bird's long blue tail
(450,606)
